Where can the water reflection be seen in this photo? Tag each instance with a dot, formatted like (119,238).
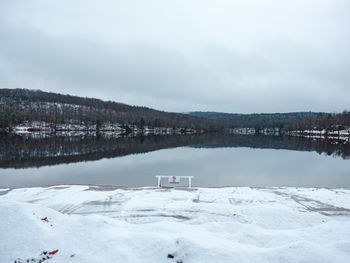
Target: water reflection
(23,152)
(214,160)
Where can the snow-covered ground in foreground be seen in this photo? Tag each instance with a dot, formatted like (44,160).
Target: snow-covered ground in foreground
(233,224)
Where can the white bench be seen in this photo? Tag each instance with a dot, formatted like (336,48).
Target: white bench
(174,179)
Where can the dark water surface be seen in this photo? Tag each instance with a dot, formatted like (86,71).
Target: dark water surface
(214,160)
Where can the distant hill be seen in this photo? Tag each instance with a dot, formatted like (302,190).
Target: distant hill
(255,120)
(23,105)
(18,105)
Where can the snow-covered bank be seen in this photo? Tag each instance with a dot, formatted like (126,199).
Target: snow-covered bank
(343,135)
(42,129)
(233,224)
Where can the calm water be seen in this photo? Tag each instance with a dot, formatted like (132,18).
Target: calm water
(214,160)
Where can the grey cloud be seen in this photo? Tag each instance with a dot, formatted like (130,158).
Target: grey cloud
(194,65)
(80,63)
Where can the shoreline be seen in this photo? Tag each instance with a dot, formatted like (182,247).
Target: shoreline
(154,187)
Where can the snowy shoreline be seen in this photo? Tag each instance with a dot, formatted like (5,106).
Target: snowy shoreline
(230,224)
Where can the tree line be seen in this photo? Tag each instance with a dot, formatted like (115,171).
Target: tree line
(19,105)
(323,121)
(256,120)
(22,105)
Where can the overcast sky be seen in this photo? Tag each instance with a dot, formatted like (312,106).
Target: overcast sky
(234,56)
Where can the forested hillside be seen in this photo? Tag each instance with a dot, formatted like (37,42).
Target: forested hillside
(22,105)
(328,122)
(257,121)
(19,105)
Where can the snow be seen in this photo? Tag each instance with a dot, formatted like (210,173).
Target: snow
(231,224)
(341,135)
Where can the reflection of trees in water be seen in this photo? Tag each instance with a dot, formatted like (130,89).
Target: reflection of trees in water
(19,152)
(338,148)
(333,147)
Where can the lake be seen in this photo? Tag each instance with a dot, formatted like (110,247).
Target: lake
(213,159)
